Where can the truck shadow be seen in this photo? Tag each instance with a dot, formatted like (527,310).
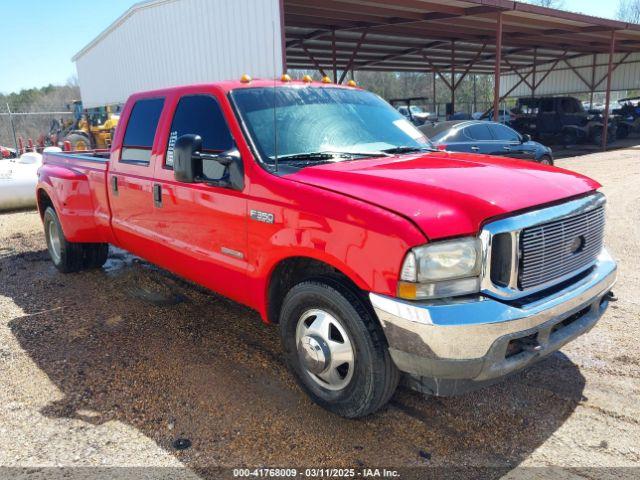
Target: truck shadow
(180,362)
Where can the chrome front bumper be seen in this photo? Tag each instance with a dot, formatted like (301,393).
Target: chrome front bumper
(469,339)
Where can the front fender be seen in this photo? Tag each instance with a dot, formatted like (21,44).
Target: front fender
(364,242)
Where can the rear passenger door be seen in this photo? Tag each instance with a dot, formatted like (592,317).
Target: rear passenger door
(130,178)
(481,139)
(203,226)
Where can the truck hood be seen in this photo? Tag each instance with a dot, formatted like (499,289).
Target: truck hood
(445,193)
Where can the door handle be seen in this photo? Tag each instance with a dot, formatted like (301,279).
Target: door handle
(114,185)
(508,149)
(157,195)
(475,148)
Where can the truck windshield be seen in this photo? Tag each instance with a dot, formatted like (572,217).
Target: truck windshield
(307,124)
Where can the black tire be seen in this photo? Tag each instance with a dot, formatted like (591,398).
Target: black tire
(546,160)
(622,131)
(79,142)
(569,138)
(374,377)
(68,256)
(597,136)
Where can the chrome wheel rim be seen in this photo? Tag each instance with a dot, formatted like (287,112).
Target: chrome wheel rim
(54,241)
(325,350)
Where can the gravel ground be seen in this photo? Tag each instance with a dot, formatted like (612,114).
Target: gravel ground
(111,367)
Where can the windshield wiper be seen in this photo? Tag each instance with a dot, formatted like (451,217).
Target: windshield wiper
(324,156)
(408,149)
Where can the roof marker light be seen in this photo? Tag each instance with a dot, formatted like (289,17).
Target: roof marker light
(285,78)
(326,79)
(352,83)
(245,79)
(307,79)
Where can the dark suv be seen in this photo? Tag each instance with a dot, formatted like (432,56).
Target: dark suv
(560,120)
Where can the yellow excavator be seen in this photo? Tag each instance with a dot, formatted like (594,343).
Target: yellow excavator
(92,128)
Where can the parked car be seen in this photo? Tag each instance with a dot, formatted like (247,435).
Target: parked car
(561,120)
(504,116)
(489,138)
(375,253)
(627,117)
(411,109)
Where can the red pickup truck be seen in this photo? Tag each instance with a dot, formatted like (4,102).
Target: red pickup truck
(324,209)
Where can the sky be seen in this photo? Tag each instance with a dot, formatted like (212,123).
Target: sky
(39,37)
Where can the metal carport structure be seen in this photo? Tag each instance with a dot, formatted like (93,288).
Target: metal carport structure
(452,39)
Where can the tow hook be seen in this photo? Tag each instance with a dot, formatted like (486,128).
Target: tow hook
(530,344)
(610,296)
(524,344)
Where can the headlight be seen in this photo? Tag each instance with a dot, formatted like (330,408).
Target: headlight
(441,269)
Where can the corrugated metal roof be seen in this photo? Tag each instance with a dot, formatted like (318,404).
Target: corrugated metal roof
(433,35)
(157,43)
(579,75)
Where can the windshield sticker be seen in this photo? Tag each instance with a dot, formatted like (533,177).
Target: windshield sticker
(172,143)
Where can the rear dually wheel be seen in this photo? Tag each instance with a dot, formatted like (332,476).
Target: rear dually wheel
(71,256)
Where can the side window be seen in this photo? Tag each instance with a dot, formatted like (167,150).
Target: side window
(546,105)
(141,129)
(200,115)
(568,105)
(478,132)
(505,133)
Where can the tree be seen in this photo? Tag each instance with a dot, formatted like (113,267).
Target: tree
(629,11)
(547,3)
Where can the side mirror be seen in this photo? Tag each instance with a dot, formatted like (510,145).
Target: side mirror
(186,167)
(190,165)
(526,138)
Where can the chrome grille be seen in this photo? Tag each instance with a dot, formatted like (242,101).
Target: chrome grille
(555,249)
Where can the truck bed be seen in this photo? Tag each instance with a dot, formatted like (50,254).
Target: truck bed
(79,180)
(93,158)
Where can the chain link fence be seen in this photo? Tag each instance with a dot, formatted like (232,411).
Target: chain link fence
(29,125)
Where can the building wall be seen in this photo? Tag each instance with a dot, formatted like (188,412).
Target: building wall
(165,43)
(564,80)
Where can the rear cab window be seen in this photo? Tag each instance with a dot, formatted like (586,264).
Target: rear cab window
(141,131)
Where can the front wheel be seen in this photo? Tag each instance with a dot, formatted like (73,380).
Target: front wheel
(336,349)
(622,131)
(71,256)
(79,143)
(546,160)
(569,138)
(597,136)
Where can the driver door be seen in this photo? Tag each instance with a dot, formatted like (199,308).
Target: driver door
(512,144)
(203,227)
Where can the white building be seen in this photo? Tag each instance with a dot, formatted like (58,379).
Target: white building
(163,43)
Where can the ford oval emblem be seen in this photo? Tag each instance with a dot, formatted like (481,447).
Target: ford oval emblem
(577,244)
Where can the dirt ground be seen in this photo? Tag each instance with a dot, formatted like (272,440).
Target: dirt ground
(110,367)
